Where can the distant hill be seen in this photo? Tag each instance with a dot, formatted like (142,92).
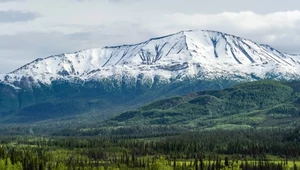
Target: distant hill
(261,104)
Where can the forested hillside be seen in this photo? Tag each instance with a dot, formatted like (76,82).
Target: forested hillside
(261,104)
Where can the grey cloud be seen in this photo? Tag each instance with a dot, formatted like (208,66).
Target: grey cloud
(17,16)
(8,1)
(218,6)
(114,1)
(5,1)
(215,6)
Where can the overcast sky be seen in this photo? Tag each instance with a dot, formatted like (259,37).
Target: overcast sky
(31,29)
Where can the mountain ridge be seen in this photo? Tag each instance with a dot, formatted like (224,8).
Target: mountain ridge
(175,64)
(190,48)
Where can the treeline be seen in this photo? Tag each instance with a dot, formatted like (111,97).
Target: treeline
(253,143)
(213,150)
(31,159)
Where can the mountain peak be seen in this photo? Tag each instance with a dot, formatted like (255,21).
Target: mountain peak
(186,54)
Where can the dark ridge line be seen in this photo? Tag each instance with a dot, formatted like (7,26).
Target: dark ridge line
(244,52)
(273,57)
(159,52)
(186,46)
(172,48)
(274,49)
(111,55)
(293,60)
(123,55)
(270,55)
(215,42)
(231,49)
(278,60)
(180,50)
(282,53)
(234,56)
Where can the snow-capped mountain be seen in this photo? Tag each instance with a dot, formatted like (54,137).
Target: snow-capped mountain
(187,54)
(110,79)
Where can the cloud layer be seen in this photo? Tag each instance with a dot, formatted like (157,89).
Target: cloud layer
(16,16)
(89,23)
(9,0)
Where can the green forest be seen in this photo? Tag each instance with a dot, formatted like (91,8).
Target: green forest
(214,150)
(261,104)
(252,126)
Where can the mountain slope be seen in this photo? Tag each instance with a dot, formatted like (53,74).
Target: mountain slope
(261,104)
(129,75)
(184,54)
